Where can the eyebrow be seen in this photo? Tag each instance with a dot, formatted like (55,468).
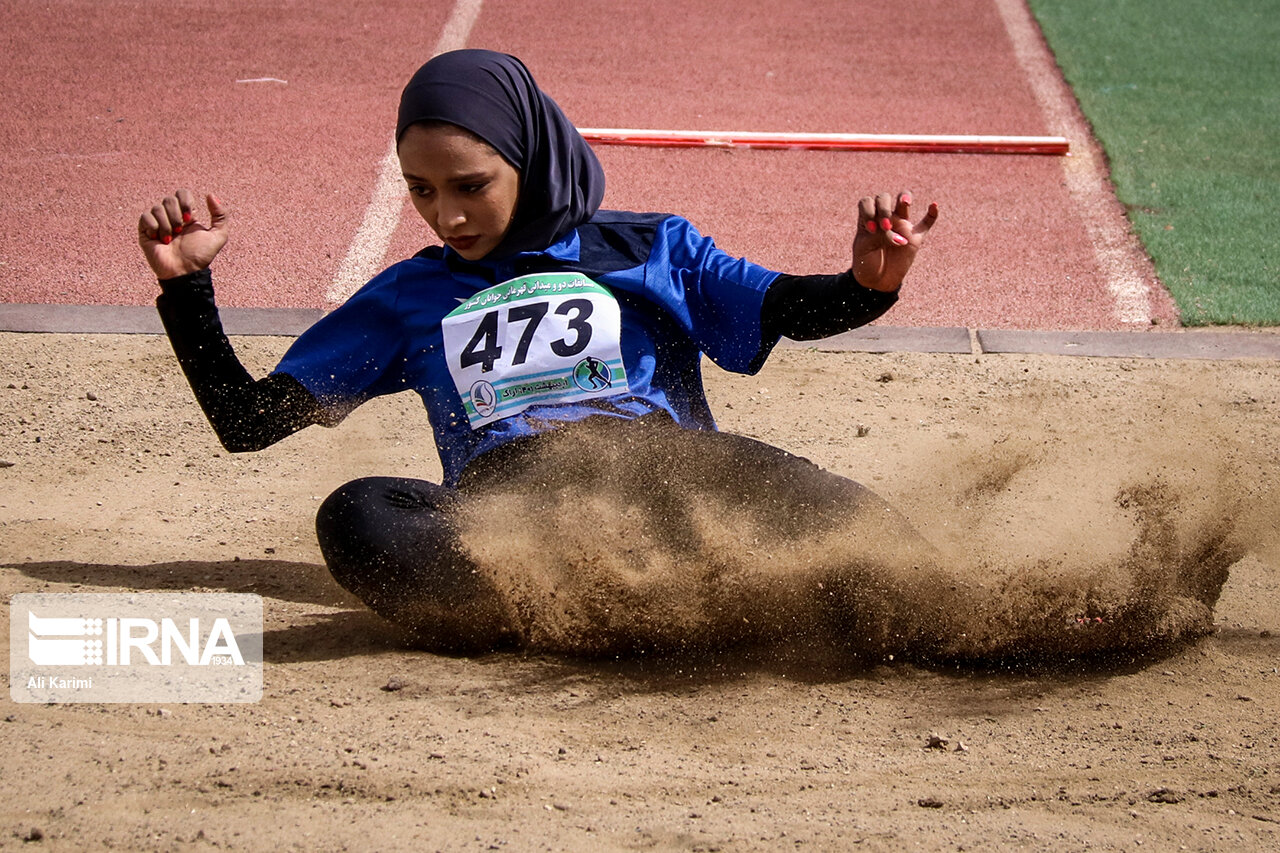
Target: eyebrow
(455,179)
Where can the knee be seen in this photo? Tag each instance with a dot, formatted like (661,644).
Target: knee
(384,538)
(346,528)
(345,511)
(392,543)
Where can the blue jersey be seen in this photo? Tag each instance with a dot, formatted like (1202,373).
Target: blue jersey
(611,320)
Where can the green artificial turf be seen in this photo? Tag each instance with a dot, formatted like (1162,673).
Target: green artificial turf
(1184,96)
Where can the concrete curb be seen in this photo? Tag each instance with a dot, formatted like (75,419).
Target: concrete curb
(290,322)
(1204,344)
(891,339)
(143,320)
(1199,343)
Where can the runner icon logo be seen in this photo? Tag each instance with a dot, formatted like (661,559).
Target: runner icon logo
(592,374)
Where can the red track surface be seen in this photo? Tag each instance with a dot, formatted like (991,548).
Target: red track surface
(110,105)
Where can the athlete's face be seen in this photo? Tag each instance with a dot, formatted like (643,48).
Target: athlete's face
(460,185)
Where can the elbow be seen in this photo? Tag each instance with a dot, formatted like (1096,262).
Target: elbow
(240,445)
(241,437)
(236,438)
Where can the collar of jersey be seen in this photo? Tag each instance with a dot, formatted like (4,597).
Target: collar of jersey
(568,248)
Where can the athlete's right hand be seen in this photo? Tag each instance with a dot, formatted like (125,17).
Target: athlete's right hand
(174,243)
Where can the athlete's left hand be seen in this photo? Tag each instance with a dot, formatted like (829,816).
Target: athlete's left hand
(886,241)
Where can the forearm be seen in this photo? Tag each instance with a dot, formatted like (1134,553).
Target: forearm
(246,414)
(809,307)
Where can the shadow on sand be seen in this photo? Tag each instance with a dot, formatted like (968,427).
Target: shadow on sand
(344,629)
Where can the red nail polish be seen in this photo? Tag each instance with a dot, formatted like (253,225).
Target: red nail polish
(177,230)
(906,198)
(886,224)
(871,226)
(186,217)
(166,239)
(898,239)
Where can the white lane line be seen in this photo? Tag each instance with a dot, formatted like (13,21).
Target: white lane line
(368,247)
(1120,258)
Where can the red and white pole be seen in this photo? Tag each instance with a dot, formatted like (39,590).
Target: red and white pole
(942,144)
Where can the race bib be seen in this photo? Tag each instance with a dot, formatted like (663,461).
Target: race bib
(544,338)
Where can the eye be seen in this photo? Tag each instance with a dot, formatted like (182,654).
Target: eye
(473,188)
(420,191)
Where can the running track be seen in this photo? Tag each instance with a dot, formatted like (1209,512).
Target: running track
(284,110)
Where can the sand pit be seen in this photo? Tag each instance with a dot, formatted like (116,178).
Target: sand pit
(1066,668)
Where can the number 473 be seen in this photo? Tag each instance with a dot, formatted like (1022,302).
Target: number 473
(485,350)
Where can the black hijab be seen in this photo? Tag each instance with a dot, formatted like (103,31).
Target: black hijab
(494,96)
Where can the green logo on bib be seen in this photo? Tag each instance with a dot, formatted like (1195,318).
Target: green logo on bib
(592,374)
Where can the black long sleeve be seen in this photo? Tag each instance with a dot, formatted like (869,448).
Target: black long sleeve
(809,307)
(247,414)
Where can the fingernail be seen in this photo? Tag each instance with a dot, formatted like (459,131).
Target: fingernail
(886,224)
(177,230)
(186,217)
(898,239)
(906,198)
(871,226)
(166,239)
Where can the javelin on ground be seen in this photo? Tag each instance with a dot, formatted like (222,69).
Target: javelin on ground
(942,144)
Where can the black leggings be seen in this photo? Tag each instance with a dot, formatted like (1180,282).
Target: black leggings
(393,541)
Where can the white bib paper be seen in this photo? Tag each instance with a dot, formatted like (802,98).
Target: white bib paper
(537,339)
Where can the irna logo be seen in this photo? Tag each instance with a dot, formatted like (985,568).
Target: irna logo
(135,647)
(93,641)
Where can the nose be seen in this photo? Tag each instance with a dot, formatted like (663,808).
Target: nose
(451,214)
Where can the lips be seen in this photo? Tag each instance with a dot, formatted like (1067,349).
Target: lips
(462,244)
